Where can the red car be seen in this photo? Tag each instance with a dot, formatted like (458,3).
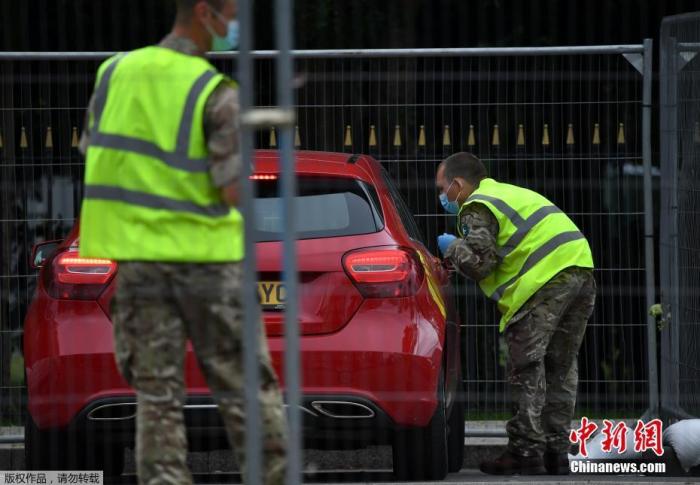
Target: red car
(380,338)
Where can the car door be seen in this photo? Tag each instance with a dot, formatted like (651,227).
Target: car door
(439,274)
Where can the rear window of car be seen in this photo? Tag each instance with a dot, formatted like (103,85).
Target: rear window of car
(324,207)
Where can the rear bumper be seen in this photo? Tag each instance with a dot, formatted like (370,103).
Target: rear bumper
(113,420)
(390,354)
(387,358)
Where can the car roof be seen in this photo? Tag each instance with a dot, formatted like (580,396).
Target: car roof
(332,164)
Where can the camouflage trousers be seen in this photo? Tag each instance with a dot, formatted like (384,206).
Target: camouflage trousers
(543,343)
(156,308)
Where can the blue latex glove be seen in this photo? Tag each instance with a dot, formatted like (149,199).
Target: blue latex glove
(444,241)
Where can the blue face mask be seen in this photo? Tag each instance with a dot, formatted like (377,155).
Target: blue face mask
(233,34)
(229,41)
(450,206)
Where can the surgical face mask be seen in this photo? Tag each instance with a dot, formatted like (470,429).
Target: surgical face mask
(450,206)
(227,42)
(232,37)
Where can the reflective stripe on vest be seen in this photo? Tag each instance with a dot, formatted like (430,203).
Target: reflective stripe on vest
(538,256)
(105,192)
(513,206)
(177,159)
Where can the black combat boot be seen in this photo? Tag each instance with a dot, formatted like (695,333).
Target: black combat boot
(556,463)
(511,464)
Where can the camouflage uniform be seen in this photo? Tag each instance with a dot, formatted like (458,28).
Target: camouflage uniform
(158,306)
(543,339)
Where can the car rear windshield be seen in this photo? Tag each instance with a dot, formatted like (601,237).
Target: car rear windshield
(324,207)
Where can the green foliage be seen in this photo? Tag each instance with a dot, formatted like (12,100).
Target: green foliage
(662,319)
(17,369)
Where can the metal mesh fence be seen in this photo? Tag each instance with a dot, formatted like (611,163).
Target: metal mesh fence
(41,108)
(567,126)
(679,251)
(566,123)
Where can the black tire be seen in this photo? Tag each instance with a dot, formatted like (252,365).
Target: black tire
(56,450)
(455,435)
(421,454)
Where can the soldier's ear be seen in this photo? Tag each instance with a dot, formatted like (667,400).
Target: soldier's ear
(467,189)
(201,10)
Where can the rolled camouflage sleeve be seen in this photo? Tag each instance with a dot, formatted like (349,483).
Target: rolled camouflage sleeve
(476,254)
(221,129)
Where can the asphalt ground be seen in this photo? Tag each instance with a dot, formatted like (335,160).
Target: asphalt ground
(468,476)
(370,465)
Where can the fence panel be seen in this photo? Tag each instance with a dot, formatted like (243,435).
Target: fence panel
(564,122)
(679,250)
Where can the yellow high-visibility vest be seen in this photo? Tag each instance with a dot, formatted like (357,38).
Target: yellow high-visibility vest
(536,240)
(148,193)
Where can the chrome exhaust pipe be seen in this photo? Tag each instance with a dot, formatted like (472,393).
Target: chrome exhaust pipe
(343,409)
(307,411)
(125,411)
(113,412)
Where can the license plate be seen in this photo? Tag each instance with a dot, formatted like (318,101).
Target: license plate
(272,295)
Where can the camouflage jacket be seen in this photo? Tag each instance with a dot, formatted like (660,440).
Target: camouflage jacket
(476,254)
(221,122)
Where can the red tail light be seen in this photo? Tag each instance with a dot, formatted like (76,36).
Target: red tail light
(70,277)
(384,272)
(263,176)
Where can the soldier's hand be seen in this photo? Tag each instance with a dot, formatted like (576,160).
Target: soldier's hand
(230,194)
(444,242)
(447,264)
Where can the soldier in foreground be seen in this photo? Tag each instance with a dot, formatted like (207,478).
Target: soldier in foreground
(161,190)
(530,258)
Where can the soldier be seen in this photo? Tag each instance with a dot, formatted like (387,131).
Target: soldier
(161,189)
(529,257)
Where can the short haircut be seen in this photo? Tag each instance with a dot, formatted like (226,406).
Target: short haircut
(184,7)
(466,166)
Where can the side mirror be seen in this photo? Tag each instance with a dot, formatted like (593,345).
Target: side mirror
(43,251)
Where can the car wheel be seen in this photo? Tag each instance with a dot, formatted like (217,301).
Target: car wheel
(421,454)
(57,450)
(455,436)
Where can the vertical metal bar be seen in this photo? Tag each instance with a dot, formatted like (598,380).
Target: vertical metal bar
(649,227)
(285,95)
(7,211)
(668,222)
(672,128)
(251,327)
(664,219)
